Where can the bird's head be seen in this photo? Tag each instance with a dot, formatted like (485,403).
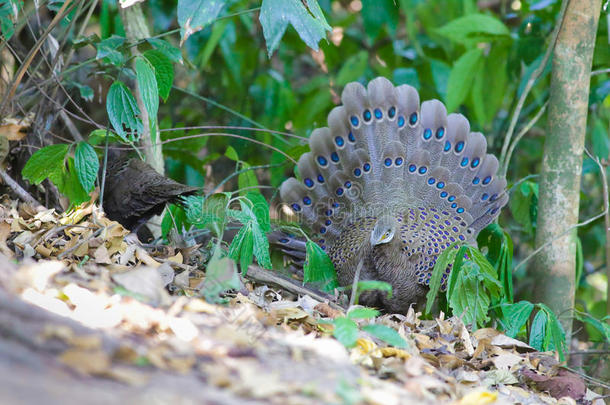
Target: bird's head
(384,230)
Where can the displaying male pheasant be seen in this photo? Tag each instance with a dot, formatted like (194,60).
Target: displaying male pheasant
(391,184)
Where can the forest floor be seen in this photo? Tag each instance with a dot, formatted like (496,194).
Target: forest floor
(88,318)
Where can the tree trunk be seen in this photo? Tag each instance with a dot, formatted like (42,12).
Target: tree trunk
(136,29)
(562,160)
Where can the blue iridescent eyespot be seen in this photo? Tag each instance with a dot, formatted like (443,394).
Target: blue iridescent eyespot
(431,180)
(447,146)
(328,213)
(459,146)
(328,222)
(493,198)
(320,178)
(398,161)
(296,207)
(427,133)
(366,167)
(412,168)
(378,113)
(367,116)
(440,185)
(451,198)
(453,205)
(354,120)
(413,119)
(485,196)
(476,180)
(339,191)
(308,182)
(306,200)
(323,230)
(464,162)
(443,194)
(475,162)
(460,210)
(335,205)
(440,132)
(401,121)
(348,184)
(486,180)
(388,162)
(339,141)
(494,211)
(357,172)
(423,170)
(392,112)
(351,137)
(334,157)
(322,161)
(462,237)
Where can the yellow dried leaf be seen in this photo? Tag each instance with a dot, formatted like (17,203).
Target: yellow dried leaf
(479,398)
(86,361)
(394,352)
(176,258)
(43,251)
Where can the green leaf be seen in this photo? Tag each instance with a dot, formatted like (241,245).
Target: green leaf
(376,13)
(555,337)
(98,137)
(538,331)
(444,260)
(231,153)
(366,285)
(601,143)
(85,91)
(218,31)
(305,16)
(70,185)
(260,208)
(194,15)
(246,252)
(122,111)
(108,48)
(207,212)
(86,164)
(387,334)
(406,76)
(440,75)
(515,316)
(261,246)
(147,83)
(164,71)
(220,276)
(353,68)
(318,267)
(461,77)
(171,52)
(246,180)
(477,27)
(45,162)
(346,331)
(523,204)
(362,313)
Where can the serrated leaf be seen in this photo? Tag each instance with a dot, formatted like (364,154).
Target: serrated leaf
(515,316)
(387,334)
(194,15)
(346,331)
(238,239)
(362,313)
(479,27)
(122,111)
(86,164)
(207,212)
(305,16)
(260,208)
(461,77)
(164,71)
(171,52)
(538,331)
(318,267)
(147,84)
(246,252)
(261,246)
(108,48)
(45,162)
(446,257)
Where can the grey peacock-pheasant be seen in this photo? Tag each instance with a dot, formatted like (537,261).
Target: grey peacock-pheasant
(391,184)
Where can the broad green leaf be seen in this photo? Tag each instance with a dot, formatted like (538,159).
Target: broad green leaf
(601,143)
(231,153)
(235,247)
(45,162)
(86,164)
(147,83)
(305,16)
(440,75)
(461,77)
(362,313)
(366,285)
(246,180)
(98,137)
(123,111)
(515,316)
(346,331)
(194,15)
(387,334)
(260,208)
(318,268)
(522,204)
(406,76)
(478,27)
(353,68)
(376,13)
(108,48)
(469,298)
(218,31)
(85,91)
(261,246)
(71,186)
(444,260)
(555,336)
(538,331)
(246,252)
(8,17)
(171,52)
(220,276)
(164,71)
(207,212)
